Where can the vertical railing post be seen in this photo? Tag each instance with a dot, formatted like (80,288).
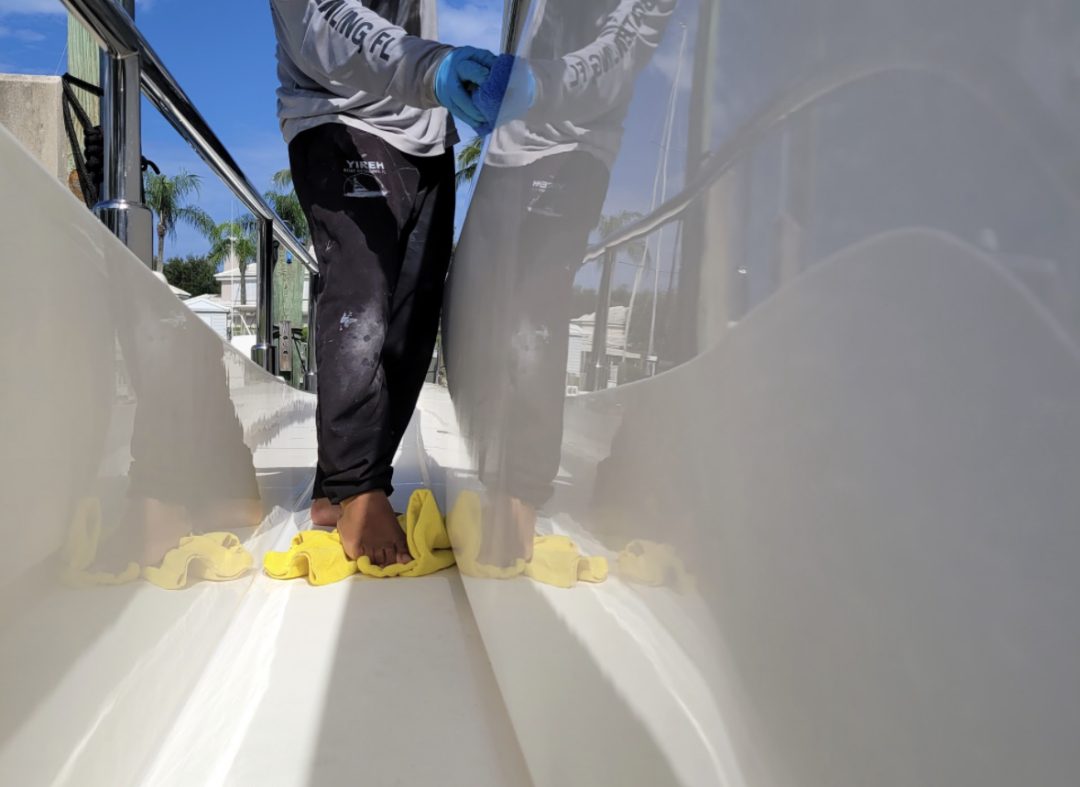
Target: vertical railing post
(596,376)
(262,352)
(683,339)
(312,378)
(121,207)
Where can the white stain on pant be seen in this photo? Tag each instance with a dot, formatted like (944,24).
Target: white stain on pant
(528,344)
(360,345)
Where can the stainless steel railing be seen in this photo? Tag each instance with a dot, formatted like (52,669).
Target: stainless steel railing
(714,166)
(721,160)
(130,65)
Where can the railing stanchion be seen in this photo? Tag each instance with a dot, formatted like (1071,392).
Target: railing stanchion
(312,377)
(596,374)
(263,351)
(121,207)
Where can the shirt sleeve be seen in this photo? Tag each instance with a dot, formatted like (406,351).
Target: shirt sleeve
(593,80)
(350,48)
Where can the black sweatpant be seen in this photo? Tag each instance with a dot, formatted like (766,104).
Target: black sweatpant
(522,247)
(382,224)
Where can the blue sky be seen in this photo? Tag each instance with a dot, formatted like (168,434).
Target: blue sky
(222,53)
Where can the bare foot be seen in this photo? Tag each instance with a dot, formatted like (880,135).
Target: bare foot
(165,525)
(231,515)
(324,513)
(509,529)
(369,527)
(524,517)
(151,528)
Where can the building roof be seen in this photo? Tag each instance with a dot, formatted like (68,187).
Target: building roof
(207,303)
(233,273)
(179,293)
(585,325)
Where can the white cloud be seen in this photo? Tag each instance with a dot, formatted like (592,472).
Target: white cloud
(471,24)
(666,61)
(26,36)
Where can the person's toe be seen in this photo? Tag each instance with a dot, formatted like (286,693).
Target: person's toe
(386,554)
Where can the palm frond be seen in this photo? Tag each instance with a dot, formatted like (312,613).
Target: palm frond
(468,160)
(282,179)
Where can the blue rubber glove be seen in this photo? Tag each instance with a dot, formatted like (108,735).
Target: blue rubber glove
(508,92)
(458,76)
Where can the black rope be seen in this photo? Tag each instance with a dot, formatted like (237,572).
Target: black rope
(90,157)
(83,85)
(89,163)
(86,184)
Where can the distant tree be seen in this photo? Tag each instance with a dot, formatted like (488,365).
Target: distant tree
(611,223)
(168,197)
(193,274)
(468,160)
(235,239)
(283,200)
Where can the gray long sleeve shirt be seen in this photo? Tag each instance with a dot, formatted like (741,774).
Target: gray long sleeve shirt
(586,56)
(368,64)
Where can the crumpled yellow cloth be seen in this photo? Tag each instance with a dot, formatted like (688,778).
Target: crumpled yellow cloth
(212,556)
(315,554)
(429,543)
(319,556)
(217,557)
(556,559)
(650,563)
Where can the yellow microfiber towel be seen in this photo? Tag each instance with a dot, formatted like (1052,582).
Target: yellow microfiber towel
(464,525)
(214,556)
(319,556)
(315,554)
(650,563)
(429,543)
(556,559)
(81,548)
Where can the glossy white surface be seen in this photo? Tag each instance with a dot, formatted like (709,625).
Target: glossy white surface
(113,390)
(863,441)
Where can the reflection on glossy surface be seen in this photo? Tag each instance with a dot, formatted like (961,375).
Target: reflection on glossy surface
(822,420)
(127,426)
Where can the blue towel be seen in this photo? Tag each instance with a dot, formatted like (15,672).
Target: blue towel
(506,94)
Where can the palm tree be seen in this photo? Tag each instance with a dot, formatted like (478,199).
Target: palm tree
(612,223)
(168,198)
(288,279)
(235,239)
(286,205)
(468,160)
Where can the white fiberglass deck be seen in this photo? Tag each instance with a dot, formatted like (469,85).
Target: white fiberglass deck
(247,682)
(256,682)
(843,448)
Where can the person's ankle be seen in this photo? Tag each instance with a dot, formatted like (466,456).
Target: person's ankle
(365,500)
(324,513)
